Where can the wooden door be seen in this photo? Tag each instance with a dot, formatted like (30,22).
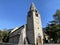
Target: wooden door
(39,40)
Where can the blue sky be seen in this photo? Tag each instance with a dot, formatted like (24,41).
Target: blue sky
(14,12)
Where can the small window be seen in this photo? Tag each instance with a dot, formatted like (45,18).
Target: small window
(37,15)
(36,11)
(29,15)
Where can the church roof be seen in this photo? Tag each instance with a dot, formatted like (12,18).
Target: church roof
(14,29)
(17,28)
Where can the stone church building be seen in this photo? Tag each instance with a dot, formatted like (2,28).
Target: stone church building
(31,32)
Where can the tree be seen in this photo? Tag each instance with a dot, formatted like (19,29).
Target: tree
(0,36)
(53,28)
(5,36)
(57,16)
(51,31)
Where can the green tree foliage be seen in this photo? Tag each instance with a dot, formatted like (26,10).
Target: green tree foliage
(57,16)
(0,36)
(3,36)
(53,28)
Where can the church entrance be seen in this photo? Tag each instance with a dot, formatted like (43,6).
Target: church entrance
(39,40)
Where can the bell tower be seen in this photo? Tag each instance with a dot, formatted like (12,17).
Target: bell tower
(34,33)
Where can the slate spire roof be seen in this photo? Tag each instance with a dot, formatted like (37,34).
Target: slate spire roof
(32,7)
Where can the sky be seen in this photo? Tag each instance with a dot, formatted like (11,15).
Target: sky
(13,13)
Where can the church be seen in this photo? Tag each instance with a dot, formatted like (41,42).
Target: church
(29,33)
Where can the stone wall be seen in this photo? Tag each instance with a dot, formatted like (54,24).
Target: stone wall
(18,35)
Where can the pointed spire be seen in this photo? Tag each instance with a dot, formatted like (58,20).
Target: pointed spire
(32,7)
